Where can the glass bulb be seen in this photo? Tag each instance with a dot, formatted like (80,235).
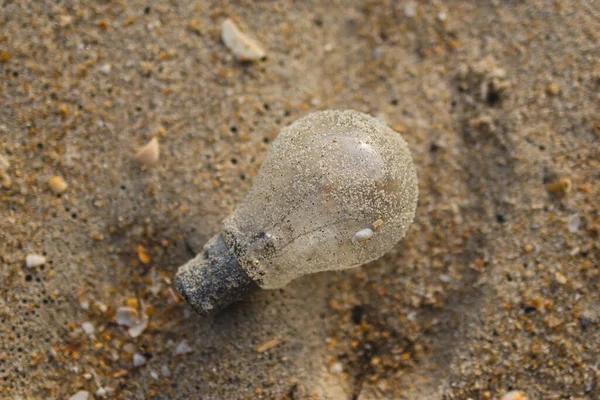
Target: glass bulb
(336,190)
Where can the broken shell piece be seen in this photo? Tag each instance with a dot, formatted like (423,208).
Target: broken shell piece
(129,317)
(148,155)
(362,236)
(34,260)
(81,395)
(58,184)
(183,348)
(138,329)
(242,46)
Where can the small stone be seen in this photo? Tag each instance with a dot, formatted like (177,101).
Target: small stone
(336,368)
(442,17)
(138,360)
(528,248)
(58,185)
(4,56)
(560,188)
(105,69)
(183,348)
(127,316)
(514,395)
(4,163)
(149,154)
(146,68)
(553,89)
(573,223)
(410,9)
(154,375)
(64,20)
(560,278)
(34,260)
(377,224)
(164,370)
(241,45)
(88,328)
(5,179)
(81,395)
(261,348)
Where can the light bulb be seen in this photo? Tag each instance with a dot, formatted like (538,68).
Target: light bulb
(336,190)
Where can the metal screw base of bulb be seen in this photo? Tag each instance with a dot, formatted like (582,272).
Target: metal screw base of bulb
(213,279)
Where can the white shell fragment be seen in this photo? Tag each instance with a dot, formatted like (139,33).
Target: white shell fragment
(88,328)
(138,360)
(148,155)
(129,317)
(514,395)
(183,348)
(34,260)
(242,46)
(81,395)
(362,236)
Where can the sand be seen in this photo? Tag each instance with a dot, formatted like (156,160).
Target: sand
(495,288)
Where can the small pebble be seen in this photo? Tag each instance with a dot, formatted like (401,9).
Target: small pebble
(127,316)
(138,360)
(266,346)
(560,278)
(560,188)
(88,328)
(34,260)
(154,375)
(336,368)
(164,370)
(573,223)
(105,69)
(241,45)
(362,236)
(377,224)
(442,17)
(58,185)
(81,395)
(183,348)
(553,89)
(514,395)
(5,179)
(149,154)
(410,9)
(4,164)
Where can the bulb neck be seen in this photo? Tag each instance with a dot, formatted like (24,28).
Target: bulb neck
(213,279)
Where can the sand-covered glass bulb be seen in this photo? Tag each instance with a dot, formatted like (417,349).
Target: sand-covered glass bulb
(336,190)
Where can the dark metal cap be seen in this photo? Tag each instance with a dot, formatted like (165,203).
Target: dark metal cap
(213,279)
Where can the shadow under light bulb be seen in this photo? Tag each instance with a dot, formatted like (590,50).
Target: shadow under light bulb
(336,190)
